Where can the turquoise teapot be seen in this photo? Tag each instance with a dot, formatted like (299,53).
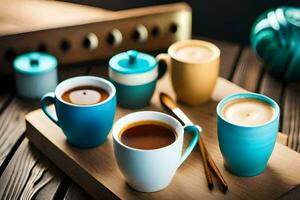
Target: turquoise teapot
(275,37)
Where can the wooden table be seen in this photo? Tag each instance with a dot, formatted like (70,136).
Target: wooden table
(26,173)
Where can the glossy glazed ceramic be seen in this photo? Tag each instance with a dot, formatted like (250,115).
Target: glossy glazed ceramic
(247,149)
(152,170)
(134,96)
(275,37)
(35,74)
(193,82)
(84,125)
(134,75)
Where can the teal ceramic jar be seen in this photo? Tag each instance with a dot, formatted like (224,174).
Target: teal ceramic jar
(275,37)
(35,74)
(134,75)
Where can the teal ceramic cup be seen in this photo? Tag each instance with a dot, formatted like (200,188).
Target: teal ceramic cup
(135,75)
(84,125)
(247,149)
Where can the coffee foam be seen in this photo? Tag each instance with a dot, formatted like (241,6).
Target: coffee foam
(194,53)
(248,112)
(78,97)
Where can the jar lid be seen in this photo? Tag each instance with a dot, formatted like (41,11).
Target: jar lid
(35,63)
(132,62)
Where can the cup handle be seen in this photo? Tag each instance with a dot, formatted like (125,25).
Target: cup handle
(49,97)
(164,61)
(196,134)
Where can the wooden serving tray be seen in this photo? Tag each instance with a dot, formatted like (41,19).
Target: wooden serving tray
(97,172)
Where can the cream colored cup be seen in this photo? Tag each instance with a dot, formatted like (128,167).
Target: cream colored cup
(194,69)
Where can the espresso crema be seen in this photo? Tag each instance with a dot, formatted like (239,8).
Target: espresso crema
(194,53)
(248,112)
(85,95)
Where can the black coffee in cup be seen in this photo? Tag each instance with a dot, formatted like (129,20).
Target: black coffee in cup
(147,135)
(85,95)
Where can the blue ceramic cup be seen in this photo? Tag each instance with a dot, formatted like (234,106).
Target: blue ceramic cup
(247,149)
(84,125)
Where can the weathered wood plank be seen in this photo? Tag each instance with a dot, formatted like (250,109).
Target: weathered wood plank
(229,55)
(12,125)
(4,98)
(248,70)
(292,194)
(271,87)
(27,173)
(17,181)
(100,70)
(68,72)
(291,115)
(75,192)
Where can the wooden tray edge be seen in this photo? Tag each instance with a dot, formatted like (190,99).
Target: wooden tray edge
(48,148)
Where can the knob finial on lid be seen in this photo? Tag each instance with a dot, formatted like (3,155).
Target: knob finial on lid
(132,54)
(34,59)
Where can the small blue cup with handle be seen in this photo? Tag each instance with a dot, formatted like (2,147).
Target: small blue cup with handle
(84,125)
(246,149)
(135,75)
(152,170)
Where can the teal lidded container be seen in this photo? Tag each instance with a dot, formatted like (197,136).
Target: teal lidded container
(134,75)
(275,37)
(35,74)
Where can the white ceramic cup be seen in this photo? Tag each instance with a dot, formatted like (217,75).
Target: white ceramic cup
(151,170)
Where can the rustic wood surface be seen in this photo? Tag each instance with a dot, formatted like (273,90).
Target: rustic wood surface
(270,87)
(17,17)
(291,114)
(97,172)
(232,57)
(12,125)
(229,56)
(75,192)
(248,71)
(23,29)
(292,194)
(25,173)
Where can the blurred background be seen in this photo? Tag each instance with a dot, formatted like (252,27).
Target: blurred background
(229,20)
